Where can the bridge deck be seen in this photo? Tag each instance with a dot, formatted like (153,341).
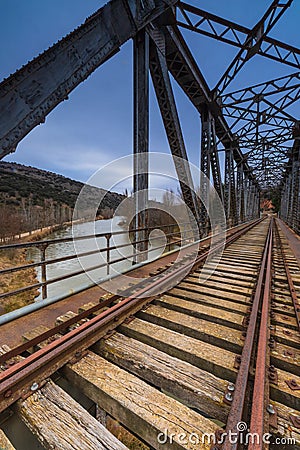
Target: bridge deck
(167,375)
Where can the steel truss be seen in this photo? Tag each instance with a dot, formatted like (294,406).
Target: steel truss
(246,135)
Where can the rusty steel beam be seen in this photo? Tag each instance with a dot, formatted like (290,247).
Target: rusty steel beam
(141,143)
(31,93)
(166,101)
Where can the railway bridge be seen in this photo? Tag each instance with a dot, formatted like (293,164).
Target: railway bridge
(198,347)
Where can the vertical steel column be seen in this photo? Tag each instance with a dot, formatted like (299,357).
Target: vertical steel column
(240,193)
(141,141)
(246,196)
(250,200)
(209,164)
(295,175)
(284,201)
(229,188)
(206,132)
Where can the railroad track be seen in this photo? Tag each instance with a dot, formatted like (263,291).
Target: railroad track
(211,364)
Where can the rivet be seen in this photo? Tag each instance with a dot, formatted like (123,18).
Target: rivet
(228,397)
(7,394)
(34,387)
(270,409)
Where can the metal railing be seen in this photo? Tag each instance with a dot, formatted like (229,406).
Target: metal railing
(174,235)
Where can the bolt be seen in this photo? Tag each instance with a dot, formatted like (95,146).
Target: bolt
(7,394)
(231,387)
(272,376)
(229,397)
(297,420)
(270,409)
(293,382)
(272,368)
(238,358)
(34,387)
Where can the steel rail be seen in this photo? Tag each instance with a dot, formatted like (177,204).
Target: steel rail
(238,403)
(290,281)
(260,396)
(15,381)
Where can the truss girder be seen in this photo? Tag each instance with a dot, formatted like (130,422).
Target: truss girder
(31,93)
(250,41)
(262,90)
(186,72)
(166,101)
(209,164)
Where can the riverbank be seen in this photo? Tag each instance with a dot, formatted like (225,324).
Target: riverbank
(12,281)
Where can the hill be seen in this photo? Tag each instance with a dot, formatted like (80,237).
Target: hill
(31,198)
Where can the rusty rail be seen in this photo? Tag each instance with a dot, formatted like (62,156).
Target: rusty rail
(237,409)
(290,282)
(259,419)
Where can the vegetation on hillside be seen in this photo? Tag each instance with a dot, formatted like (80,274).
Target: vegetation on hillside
(31,198)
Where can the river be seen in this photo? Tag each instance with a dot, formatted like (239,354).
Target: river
(63,249)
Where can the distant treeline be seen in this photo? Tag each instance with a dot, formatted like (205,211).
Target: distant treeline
(31,198)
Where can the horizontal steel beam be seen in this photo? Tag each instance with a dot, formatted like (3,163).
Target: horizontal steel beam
(229,32)
(31,93)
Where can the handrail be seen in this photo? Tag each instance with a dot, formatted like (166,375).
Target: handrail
(185,230)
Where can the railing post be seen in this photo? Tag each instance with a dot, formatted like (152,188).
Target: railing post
(42,249)
(107,236)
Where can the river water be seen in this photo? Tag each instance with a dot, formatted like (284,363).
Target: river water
(63,249)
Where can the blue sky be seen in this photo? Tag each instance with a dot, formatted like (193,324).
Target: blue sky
(95,125)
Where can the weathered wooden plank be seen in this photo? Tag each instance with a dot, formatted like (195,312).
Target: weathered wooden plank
(222,336)
(224,281)
(286,429)
(287,336)
(229,271)
(208,357)
(208,291)
(60,422)
(285,320)
(286,358)
(209,294)
(141,408)
(227,275)
(282,393)
(192,386)
(215,284)
(202,311)
(5,444)
(223,278)
(239,261)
